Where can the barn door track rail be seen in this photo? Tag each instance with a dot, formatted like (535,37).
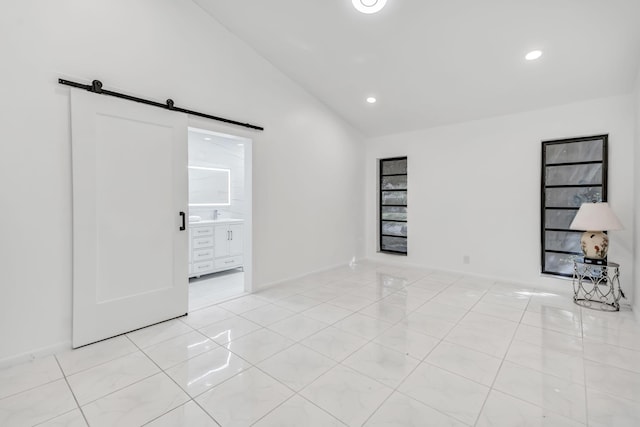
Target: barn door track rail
(96,87)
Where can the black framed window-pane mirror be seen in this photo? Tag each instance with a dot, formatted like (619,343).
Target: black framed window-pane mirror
(574,171)
(393,205)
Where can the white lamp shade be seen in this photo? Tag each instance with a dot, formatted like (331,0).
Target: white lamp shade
(595,217)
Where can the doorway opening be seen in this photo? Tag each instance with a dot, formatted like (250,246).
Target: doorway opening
(219,169)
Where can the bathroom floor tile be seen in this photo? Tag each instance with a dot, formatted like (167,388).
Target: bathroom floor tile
(28,375)
(607,411)
(175,350)
(334,343)
(547,391)
(101,380)
(405,299)
(229,329)
(268,314)
(187,415)
(385,311)
(499,311)
(555,320)
(327,313)
(367,344)
(401,410)
(297,366)
(298,327)
(566,366)
(244,304)
(137,404)
(613,380)
(616,337)
(323,294)
(449,393)
(70,419)
(297,303)
(363,326)
(550,339)
(352,302)
(382,364)
(471,364)
(347,395)
(244,399)
(429,325)
(207,370)
(74,361)
(442,311)
(611,355)
(504,410)
(206,316)
(485,341)
(407,341)
(155,334)
(298,412)
(258,345)
(37,404)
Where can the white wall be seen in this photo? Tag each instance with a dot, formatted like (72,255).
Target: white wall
(474,188)
(636,277)
(308,189)
(217,151)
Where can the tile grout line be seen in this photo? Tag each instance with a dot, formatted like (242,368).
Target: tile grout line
(584,368)
(177,385)
(64,375)
(504,357)
(337,363)
(392,323)
(423,360)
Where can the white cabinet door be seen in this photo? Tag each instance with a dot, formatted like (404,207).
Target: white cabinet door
(236,240)
(129,187)
(222,237)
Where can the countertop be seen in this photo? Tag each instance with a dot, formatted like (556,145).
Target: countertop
(216,221)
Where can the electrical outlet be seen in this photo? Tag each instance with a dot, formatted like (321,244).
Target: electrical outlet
(466,259)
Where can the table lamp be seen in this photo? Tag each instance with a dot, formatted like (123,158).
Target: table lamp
(595,219)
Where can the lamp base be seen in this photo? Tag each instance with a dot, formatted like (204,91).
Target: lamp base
(595,245)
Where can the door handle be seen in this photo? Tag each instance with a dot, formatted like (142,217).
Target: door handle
(184,225)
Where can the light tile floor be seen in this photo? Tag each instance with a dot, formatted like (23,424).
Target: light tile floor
(214,288)
(373,345)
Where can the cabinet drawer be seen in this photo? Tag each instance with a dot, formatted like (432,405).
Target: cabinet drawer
(202,254)
(202,267)
(201,231)
(230,262)
(202,242)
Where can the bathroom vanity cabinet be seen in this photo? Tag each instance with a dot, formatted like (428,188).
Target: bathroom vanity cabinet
(215,246)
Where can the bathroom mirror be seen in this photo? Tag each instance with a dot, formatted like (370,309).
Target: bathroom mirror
(209,186)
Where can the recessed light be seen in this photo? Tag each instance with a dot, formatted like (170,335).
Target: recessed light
(534,54)
(371,100)
(369,6)
(207,138)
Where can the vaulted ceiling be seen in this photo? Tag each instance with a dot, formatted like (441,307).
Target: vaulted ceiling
(435,62)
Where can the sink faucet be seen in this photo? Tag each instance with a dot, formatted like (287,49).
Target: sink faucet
(215,214)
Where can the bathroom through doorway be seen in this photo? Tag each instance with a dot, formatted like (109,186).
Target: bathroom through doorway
(219,169)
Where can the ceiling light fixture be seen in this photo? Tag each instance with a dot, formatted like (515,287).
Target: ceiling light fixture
(369,6)
(206,138)
(371,100)
(533,55)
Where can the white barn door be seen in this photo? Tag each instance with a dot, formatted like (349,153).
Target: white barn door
(129,201)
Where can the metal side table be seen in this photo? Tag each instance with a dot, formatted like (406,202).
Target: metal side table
(597,286)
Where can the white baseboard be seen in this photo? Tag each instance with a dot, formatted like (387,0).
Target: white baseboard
(35,354)
(301,276)
(565,283)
